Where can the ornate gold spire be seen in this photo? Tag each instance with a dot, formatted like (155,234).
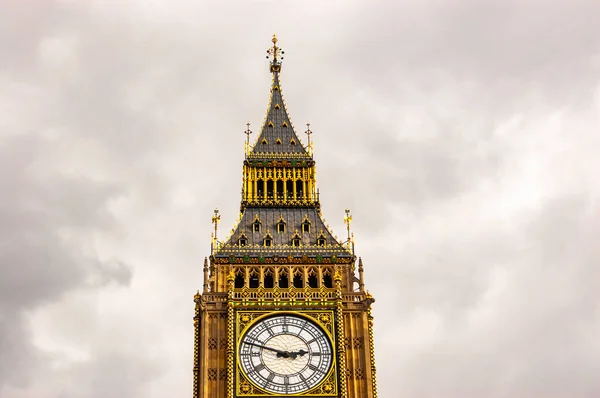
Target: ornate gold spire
(275,52)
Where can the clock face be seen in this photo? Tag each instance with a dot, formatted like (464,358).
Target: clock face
(285,354)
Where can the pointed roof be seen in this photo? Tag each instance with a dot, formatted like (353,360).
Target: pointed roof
(277,135)
(259,232)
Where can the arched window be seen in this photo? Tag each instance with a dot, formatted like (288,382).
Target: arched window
(239,281)
(327,281)
(283,281)
(298,282)
(268,279)
(312,280)
(253,282)
(243,241)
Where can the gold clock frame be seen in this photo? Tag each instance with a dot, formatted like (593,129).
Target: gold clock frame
(325,319)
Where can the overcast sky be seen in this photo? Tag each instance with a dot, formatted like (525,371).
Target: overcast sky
(463,135)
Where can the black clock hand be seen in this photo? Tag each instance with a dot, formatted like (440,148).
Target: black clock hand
(298,353)
(302,353)
(279,352)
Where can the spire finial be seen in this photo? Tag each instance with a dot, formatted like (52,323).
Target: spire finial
(275,52)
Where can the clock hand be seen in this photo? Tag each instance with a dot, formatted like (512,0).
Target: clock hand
(298,353)
(280,353)
(301,353)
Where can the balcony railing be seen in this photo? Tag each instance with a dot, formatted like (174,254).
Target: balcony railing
(284,294)
(272,199)
(282,251)
(278,155)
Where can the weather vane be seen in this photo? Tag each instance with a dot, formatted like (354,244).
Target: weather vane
(275,52)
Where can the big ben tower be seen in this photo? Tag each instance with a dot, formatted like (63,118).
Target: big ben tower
(283,310)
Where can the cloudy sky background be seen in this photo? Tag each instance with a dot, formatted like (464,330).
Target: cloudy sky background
(463,135)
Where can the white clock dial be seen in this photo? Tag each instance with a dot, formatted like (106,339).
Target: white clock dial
(285,354)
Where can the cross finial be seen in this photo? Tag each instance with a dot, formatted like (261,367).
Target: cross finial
(275,52)
(308,132)
(247,132)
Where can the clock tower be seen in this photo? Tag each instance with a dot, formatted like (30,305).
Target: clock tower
(283,310)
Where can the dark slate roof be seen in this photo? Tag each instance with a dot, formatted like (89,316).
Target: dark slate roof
(274,128)
(293,217)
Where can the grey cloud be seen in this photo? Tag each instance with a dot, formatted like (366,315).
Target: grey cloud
(122,130)
(529,337)
(44,214)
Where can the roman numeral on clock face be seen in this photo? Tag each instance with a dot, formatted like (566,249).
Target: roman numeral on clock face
(314,368)
(260,367)
(315,339)
(301,329)
(303,380)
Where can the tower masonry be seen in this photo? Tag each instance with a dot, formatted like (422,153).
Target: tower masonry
(283,309)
